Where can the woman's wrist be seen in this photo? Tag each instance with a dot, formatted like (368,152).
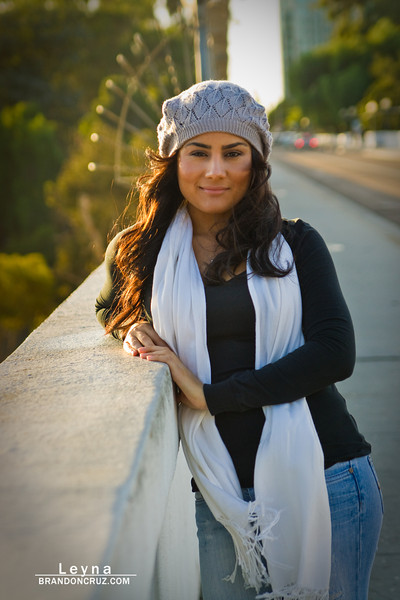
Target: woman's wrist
(191,387)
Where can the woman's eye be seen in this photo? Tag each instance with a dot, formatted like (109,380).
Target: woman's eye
(203,154)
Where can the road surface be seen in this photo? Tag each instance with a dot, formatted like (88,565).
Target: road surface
(366,250)
(370,177)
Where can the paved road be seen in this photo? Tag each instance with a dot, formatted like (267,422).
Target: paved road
(366,251)
(370,177)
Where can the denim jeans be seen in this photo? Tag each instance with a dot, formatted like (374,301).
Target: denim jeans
(356,505)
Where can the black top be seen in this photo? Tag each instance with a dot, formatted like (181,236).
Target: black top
(231,324)
(238,390)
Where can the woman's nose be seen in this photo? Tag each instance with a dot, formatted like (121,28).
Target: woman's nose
(215,167)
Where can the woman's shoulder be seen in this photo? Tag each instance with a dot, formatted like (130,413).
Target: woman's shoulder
(112,246)
(299,233)
(307,244)
(297,227)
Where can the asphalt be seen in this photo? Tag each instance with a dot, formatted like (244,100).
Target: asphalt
(370,177)
(364,241)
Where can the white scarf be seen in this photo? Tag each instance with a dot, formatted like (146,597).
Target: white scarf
(288,524)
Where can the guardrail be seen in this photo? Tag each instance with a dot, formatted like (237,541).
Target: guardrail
(95,496)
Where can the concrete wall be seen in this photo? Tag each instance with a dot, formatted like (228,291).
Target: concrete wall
(89,475)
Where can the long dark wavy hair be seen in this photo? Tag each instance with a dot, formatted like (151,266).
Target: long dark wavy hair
(254,223)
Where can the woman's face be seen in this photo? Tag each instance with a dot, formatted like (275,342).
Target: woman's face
(214,172)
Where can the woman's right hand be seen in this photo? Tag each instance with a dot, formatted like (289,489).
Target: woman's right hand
(139,335)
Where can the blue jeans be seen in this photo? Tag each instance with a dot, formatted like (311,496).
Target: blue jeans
(356,505)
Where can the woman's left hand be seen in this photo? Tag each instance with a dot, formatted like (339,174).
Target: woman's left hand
(191,394)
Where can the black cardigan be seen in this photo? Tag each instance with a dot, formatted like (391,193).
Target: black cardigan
(327,356)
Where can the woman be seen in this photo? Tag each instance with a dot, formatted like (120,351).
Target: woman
(246,310)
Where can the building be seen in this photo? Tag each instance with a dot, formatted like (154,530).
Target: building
(303,27)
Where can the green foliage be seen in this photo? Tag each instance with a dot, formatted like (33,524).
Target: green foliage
(29,156)
(27,296)
(330,78)
(57,59)
(27,291)
(353,16)
(173,6)
(91,200)
(88,202)
(361,63)
(55,54)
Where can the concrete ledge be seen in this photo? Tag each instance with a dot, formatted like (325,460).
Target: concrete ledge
(88,475)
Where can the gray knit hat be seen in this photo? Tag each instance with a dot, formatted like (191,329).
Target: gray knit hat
(213,106)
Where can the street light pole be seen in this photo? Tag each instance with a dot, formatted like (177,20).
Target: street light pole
(211,39)
(202,49)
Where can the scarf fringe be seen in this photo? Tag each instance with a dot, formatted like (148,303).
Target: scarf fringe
(249,547)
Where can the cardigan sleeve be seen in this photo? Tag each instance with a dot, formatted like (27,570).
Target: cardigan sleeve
(328,353)
(107,295)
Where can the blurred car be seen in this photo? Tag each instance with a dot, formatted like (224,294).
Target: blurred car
(284,138)
(305,141)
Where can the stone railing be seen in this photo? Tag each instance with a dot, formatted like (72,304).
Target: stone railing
(91,478)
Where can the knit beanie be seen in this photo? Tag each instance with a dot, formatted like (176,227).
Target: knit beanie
(213,106)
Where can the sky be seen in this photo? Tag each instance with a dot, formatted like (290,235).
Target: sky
(254,49)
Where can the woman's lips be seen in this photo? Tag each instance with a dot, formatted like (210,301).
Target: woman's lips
(214,190)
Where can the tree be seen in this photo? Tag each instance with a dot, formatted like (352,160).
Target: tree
(384,89)
(55,54)
(54,58)
(359,16)
(112,141)
(27,295)
(30,155)
(359,66)
(329,79)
